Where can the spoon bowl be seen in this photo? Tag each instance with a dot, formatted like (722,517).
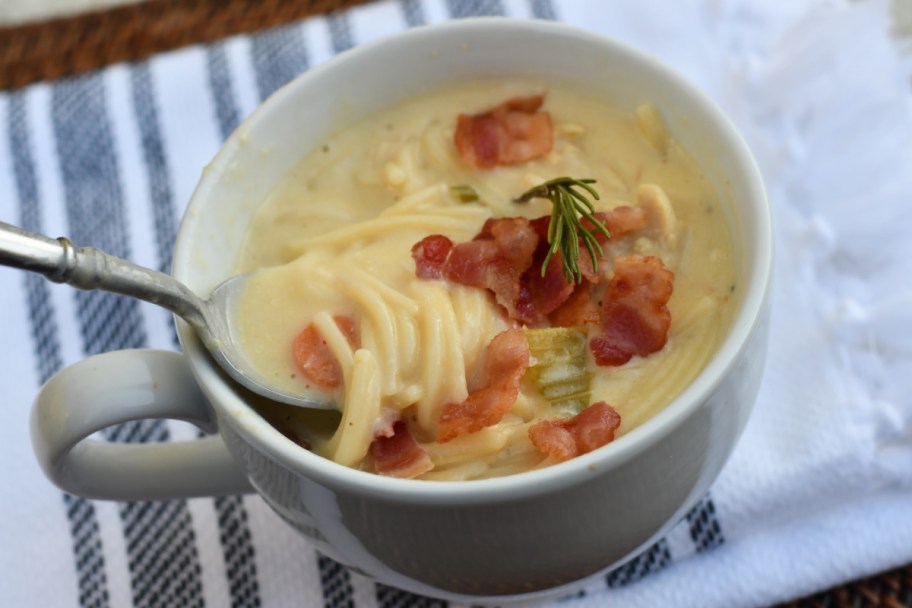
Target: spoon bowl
(89,268)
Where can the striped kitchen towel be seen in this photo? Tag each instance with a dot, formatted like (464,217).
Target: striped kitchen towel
(819,490)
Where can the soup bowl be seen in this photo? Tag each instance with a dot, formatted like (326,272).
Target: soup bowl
(523,535)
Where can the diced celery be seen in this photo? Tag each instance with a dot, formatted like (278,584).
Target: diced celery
(559,369)
(464,193)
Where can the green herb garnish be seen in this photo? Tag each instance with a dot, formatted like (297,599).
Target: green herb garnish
(464,193)
(565,229)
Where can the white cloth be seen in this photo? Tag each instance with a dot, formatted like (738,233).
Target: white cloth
(819,490)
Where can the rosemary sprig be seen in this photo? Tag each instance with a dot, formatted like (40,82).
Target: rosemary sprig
(565,229)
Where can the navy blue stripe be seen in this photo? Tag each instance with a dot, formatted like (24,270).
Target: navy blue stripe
(542,9)
(336,583)
(226,109)
(340,34)
(390,597)
(88,552)
(705,530)
(161,545)
(41,311)
(653,559)
(413,12)
(475,8)
(278,56)
(234,531)
(94,206)
(164,214)
(237,548)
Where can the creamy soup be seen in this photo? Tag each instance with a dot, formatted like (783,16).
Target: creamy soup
(399,281)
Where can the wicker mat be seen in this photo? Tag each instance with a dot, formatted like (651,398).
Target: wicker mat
(63,47)
(73,45)
(891,590)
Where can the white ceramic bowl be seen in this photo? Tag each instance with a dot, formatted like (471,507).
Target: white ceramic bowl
(530,533)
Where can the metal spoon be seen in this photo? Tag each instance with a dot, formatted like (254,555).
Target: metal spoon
(90,268)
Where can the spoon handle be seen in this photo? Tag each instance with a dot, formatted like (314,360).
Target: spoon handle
(90,268)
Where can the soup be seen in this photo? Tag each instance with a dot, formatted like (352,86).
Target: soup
(435,272)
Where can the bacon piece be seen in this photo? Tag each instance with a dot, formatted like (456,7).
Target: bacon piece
(399,455)
(468,263)
(579,309)
(430,254)
(313,357)
(634,310)
(540,225)
(552,291)
(508,134)
(506,257)
(515,239)
(623,220)
(493,393)
(566,438)
(496,260)
(547,292)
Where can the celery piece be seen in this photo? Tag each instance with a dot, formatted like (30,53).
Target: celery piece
(464,193)
(559,369)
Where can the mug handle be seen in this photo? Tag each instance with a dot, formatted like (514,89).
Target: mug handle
(124,386)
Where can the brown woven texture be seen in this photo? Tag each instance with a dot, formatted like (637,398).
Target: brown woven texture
(891,589)
(73,45)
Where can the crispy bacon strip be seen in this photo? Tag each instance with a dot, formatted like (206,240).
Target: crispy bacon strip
(622,221)
(313,357)
(496,259)
(579,309)
(634,310)
(399,455)
(515,239)
(506,257)
(505,361)
(430,254)
(508,134)
(566,438)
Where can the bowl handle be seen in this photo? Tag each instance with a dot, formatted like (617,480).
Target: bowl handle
(124,386)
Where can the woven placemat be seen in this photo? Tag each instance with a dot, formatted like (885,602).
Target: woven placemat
(62,47)
(891,589)
(73,45)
